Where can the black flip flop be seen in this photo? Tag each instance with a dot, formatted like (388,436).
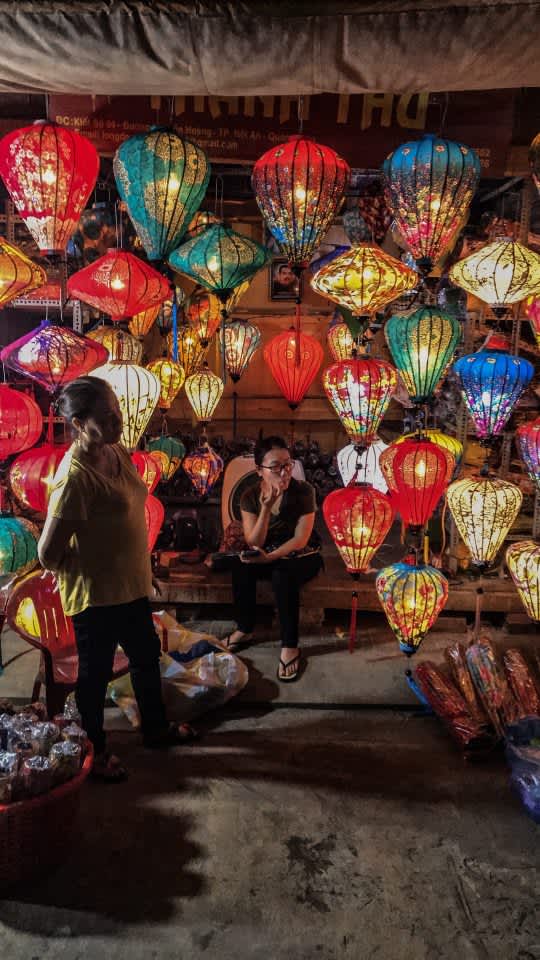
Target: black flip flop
(236,645)
(293,676)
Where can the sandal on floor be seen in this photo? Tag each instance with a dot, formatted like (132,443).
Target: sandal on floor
(176,735)
(291,677)
(236,645)
(108,769)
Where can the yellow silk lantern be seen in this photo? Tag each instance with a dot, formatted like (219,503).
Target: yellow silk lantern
(138,392)
(120,344)
(484,509)
(341,342)
(364,279)
(18,274)
(190,350)
(141,323)
(501,273)
(171,377)
(204,390)
(523,562)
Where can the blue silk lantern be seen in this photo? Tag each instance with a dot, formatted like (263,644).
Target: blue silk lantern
(162,179)
(492,383)
(219,259)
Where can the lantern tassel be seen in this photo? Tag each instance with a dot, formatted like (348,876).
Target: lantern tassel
(352,629)
(175,328)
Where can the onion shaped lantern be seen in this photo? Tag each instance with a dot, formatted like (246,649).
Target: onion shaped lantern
(484,509)
(119,344)
(299,186)
(21,421)
(219,259)
(148,468)
(528,439)
(18,274)
(190,351)
(171,378)
(204,391)
(362,466)
(35,611)
(532,312)
(204,316)
(422,345)
(53,356)
(492,382)
(162,179)
(360,391)
(412,598)
(429,187)
(294,359)
(444,440)
(240,341)
(137,390)
(523,562)
(18,545)
(341,342)
(142,322)
(119,284)
(172,449)
(49,172)
(204,468)
(417,472)
(501,273)
(364,279)
(154,514)
(32,474)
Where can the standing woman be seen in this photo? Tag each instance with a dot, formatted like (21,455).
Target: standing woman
(278,515)
(95,541)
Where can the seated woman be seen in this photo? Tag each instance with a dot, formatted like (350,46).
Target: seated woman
(278,514)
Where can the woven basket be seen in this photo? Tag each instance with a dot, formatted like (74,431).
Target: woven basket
(36,835)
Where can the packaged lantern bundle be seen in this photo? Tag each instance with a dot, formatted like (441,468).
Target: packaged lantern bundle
(522,683)
(447,702)
(491,685)
(457,661)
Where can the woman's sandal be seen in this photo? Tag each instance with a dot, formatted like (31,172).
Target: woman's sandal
(176,735)
(290,677)
(235,646)
(108,769)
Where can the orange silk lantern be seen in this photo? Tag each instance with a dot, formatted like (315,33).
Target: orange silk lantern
(294,360)
(119,284)
(204,316)
(21,421)
(148,467)
(142,322)
(18,274)
(417,472)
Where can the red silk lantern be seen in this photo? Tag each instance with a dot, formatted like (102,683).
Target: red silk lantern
(21,421)
(417,472)
(148,468)
(31,475)
(203,468)
(119,284)
(54,355)
(292,377)
(360,391)
(49,172)
(154,513)
(34,610)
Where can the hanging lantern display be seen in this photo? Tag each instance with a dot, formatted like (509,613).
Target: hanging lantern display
(137,390)
(18,545)
(523,562)
(171,378)
(528,438)
(444,440)
(119,284)
(484,509)
(358,519)
(362,466)
(154,514)
(162,179)
(142,323)
(21,421)
(148,467)
(240,340)
(190,351)
(32,474)
(49,172)
(219,259)
(360,391)
(341,342)
(293,378)
(203,468)
(204,316)
(429,187)
(412,598)
(364,279)
(417,472)
(422,345)
(119,344)
(200,222)
(299,186)
(501,273)
(171,449)
(492,383)
(18,274)
(204,390)
(53,356)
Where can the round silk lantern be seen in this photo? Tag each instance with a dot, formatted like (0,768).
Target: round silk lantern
(422,345)
(429,187)
(154,513)
(492,383)
(501,273)
(412,598)
(119,284)
(18,545)
(204,468)
(142,323)
(138,392)
(444,440)
(204,390)
(219,259)
(204,316)
(341,342)
(34,610)
(294,360)
(364,279)
(360,391)
(171,377)
(162,179)
(53,356)
(21,422)
(32,474)
(362,466)
(240,341)
(18,274)
(528,438)
(417,472)
(172,449)
(148,468)
(50,172)
(523,562)
(190,351)
(484,509)
(119,344)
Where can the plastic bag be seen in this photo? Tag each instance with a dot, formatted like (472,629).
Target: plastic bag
(523,757)
(448,703)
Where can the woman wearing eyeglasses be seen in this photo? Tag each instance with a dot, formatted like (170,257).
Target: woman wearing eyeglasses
(278,515)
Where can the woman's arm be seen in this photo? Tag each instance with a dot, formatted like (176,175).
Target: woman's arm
(256,527)
(54,542)
(302,533)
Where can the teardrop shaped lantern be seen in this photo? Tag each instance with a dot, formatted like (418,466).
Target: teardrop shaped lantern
(523,562)
(240,341)
(190,351)
(18,545)
(142,322)
(49,172)
(219,259)
(501,273)
(429,186)
(294,360)
(204,468)
(21,422)
(204,390)
(170,447)
(417,472)
(119,284)
(341,342)
(204,316)
(119,344)
(532,312)
(484,509)
(492,382)
(32,474)
(422,345)
(137,390)
(148,468)
(162,179)
(171,378)
(444,440)
(53,356)
(18,274)
(412,598)
(364,279)
(362,466)
(360,391)
(528,439)
(299,186)
(154,514)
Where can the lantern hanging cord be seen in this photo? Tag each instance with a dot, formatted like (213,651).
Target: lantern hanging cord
(354,613)
(478,611)
(301,113)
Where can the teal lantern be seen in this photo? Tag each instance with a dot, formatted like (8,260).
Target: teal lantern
(162,179)
(174,451)
(18,545)
(422,345)
(219,259)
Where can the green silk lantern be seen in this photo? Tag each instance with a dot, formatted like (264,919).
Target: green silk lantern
(422,345)
(174,451)
(219,259)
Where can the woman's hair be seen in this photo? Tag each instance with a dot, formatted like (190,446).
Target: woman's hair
(263,446)
(78,399)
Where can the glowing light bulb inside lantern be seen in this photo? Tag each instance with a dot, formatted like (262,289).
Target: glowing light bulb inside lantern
(435,205)
(174,183)
(117,284)
(420,469)
(49,176)
(486,397)
(423,356)
(213,264)
(300,193)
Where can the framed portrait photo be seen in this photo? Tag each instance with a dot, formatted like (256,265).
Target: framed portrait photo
(283,282)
